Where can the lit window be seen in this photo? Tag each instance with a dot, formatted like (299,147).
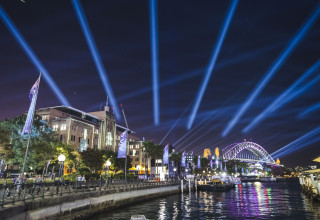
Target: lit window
(44,117)
(55,127)
(63,127)
(137,146)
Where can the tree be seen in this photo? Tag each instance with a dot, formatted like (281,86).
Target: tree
(231,164)
(204,163)
(40,148)
(6,151)
(73,157)
(176,157)
(93,159)
(155,151)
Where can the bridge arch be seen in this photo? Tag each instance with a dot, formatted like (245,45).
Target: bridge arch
(247,152)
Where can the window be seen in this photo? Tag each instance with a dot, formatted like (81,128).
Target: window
(137,159)
(131,146)
(44,117)
(88,141)
(137,146)
(73,138)
(96,131)
(63,127)
(62,137)
(74,127)
(79,139)
(55,127)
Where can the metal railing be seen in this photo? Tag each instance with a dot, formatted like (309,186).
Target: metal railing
(13,193)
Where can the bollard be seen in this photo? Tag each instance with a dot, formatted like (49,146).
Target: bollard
(318,186)
(195,183)
(181,186)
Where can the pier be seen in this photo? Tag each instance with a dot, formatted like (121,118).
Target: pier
(77,200)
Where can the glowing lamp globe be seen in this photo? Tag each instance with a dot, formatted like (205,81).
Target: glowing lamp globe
(61,158)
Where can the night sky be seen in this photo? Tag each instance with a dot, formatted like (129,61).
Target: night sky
(188,32)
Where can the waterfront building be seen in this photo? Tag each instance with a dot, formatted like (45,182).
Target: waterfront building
(96,130)
(74,126)
(206,153)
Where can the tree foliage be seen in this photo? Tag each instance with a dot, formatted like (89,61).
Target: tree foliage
(93,159)
(40,149)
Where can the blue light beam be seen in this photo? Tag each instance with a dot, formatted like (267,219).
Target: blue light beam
(154,60)
(96,56)
(273,70)
(302,145)
(309,111)
(174,124)
(32,56)
(298,143)
(285,97)
(212,63)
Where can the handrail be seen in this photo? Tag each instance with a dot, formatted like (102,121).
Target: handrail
(12,193)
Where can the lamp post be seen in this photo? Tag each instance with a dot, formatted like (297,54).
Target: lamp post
(61,159)
(108,164)
(138,168)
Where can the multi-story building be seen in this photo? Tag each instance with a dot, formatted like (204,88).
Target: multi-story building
(97,130)
(206,153)
(74,127)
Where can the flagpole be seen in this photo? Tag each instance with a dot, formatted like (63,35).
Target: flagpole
(29,135)
(125,165)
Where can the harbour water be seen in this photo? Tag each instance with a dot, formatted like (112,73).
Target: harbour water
(278,200)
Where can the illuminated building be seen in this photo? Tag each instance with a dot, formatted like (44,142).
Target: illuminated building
(97,130)
(206,153)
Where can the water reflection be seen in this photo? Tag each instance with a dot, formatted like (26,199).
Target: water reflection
(281,200)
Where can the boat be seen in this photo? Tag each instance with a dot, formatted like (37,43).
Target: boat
(236,181)
(138,217)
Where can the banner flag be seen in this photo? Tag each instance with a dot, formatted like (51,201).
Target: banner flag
(199,162)
(221,166)
(166,154)
(235,168)
(183,159)
(211,164)
(122,151)
(217,163)
(33,98)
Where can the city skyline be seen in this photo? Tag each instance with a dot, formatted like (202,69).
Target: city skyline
(187,37)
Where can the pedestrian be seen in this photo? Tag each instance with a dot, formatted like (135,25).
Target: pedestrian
(18,183)
(83,179)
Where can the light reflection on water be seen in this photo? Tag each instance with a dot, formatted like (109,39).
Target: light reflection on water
(283,200)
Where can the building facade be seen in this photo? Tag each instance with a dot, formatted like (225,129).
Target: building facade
(96,130)
(206,153)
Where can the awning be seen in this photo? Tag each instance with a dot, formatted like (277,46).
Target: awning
(317,160)
(312,171)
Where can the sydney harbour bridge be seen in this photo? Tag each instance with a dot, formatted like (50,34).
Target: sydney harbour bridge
(247,152)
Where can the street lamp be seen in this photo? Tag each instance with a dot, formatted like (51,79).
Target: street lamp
(61,159)
(108,164)
(138,168)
